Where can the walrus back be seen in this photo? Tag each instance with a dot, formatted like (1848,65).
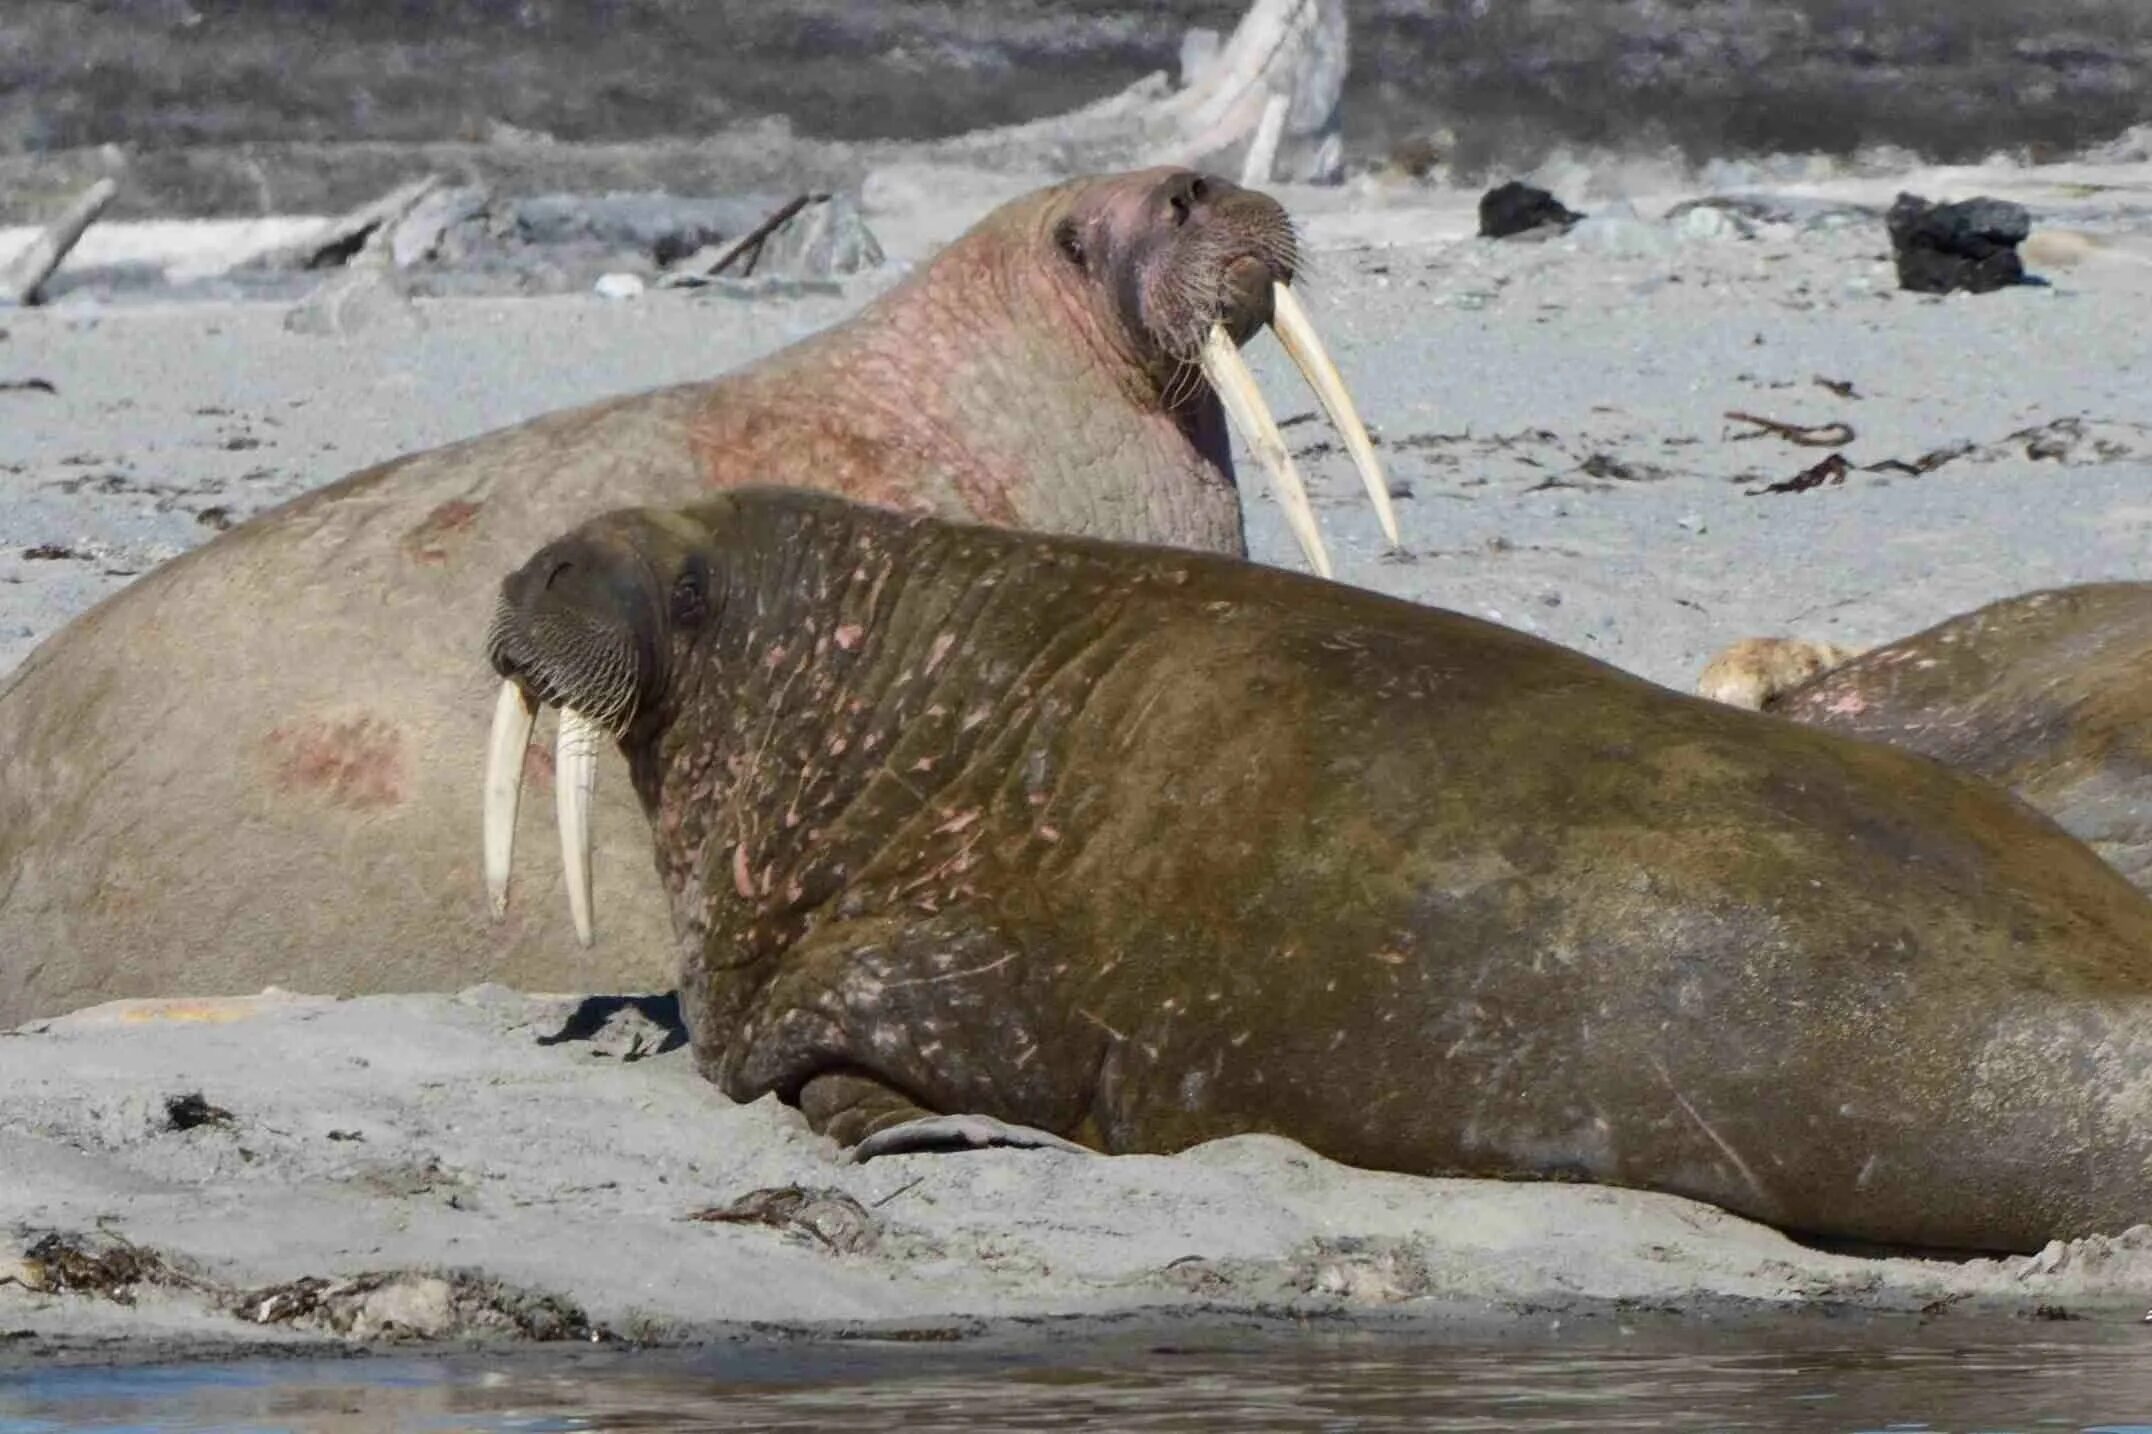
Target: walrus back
(1484,907)
(233,728)
(2048,693)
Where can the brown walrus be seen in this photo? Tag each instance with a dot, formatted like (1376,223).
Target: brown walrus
(255,764)
(1138,848)
(2049,693)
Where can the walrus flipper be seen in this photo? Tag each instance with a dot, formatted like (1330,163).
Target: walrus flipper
(859,1112)
(852,1028)
(943,1134)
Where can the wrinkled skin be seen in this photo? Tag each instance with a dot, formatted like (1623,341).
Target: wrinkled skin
(256,764)
(2049,694)
(1145,848)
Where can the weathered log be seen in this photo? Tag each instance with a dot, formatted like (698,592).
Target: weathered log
(340,240)
(1263,149)
(24,280)
(1295,50)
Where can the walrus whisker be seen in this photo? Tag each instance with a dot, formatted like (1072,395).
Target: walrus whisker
(1235,386)
(1289,320)
(513,716)
(575,780)
(1183,385)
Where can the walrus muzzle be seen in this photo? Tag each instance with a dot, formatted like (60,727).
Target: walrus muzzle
(1227,271)
(555,643)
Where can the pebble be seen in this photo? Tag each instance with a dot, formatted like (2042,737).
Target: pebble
(618,286)
(1705,222)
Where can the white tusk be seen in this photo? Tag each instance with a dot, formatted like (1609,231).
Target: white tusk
(1290,322)
(1235,385)
(512,718)
(575,777)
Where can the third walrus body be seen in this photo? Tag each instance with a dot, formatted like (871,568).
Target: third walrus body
(2048,693)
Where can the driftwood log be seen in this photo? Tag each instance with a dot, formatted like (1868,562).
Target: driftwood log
(1296,51)
(23,282)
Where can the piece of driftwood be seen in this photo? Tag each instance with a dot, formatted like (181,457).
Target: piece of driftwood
(750,243)
(24,280)
(740,256)
(1807,435)
(1291,49)
(1263,149)
(341,240)
(827,238)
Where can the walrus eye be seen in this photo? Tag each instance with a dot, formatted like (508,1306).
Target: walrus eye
(691,594)
(1069,242)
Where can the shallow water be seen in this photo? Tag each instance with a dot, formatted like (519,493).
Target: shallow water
(1861,1378)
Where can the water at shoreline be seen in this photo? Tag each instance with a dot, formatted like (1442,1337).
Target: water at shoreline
(2075,1376)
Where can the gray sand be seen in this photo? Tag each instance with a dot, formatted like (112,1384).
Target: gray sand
(1558,413)
(433,1132)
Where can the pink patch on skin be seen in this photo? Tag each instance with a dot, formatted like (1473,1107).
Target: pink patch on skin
(1850,705)
(742,881)
(359,764)
(940,650)
(429,541)
(848,636)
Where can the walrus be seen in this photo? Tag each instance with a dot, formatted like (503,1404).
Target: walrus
(973,832)
(250,766)
(1757,671)
(2048,693)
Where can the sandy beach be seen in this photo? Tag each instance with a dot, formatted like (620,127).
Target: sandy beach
(1555,418)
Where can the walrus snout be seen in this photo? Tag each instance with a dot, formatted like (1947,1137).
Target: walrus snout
(578,628)
(1250,289)
(570,627)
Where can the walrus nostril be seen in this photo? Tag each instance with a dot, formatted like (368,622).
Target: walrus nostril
(1183,193)
(1188,194)
(560,569)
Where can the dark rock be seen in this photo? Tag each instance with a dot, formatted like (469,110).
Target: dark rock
(190,1111)
(1970,245)
(1518,208)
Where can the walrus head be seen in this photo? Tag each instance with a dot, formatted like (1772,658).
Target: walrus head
(1180,252)
(581,627)
(1188,267)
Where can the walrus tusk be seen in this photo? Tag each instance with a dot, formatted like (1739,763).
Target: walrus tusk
(1289,320)
(512,719)
(575,777)
(1235,386)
